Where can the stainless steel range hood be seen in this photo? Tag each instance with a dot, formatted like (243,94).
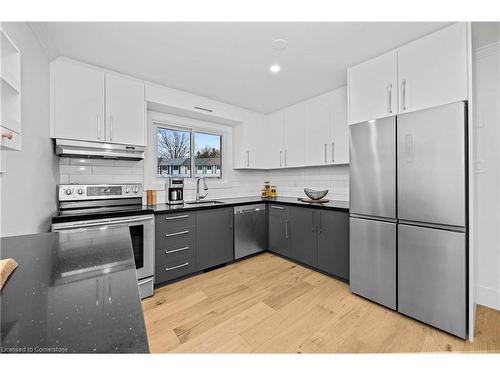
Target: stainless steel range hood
(66,147)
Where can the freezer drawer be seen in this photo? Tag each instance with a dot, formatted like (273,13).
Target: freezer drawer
(432,277)
(431,165)
(373,260)
(373,168)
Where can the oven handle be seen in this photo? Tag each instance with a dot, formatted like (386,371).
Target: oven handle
(101,223)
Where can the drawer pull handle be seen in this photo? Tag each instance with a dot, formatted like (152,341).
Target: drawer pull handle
(177,217)
(277,207)
(176,250)
(176,233)
(175,267)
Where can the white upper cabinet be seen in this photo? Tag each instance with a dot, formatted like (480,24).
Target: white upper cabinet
(318,113)
(272,146)
(293,135)
(428,72)
(373,88)
(240,146)
(248,141)
(89,104)
(77,108)
(339,131)
(125,111)
(433,69)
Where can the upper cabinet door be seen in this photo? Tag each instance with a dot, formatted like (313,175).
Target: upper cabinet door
(317,130)
(339,133)
(272,140)
(433,69)
(125,111)
(372,88)
(77,102)
(293,135)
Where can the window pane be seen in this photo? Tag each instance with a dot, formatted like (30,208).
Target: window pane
(207,151)
(174,152)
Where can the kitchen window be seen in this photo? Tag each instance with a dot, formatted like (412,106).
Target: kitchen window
(180,151)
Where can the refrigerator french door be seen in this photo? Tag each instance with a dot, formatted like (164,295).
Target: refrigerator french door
(432,251)
(373,225)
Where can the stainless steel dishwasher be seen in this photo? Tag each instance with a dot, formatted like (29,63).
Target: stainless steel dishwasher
(249,230)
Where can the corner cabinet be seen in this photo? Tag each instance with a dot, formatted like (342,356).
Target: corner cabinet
(428,72)
(314,132)
(279,239)
(89,104)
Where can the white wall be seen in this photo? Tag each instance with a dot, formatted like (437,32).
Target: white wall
(28,190)
(487,119)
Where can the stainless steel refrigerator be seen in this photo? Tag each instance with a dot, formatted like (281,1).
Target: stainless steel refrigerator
(408,226)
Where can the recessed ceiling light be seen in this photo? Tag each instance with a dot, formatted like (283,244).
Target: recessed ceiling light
(279,44)
(275,68)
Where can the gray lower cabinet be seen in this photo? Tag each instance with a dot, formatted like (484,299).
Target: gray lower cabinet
(214,237)
(320,238)
(279,241)
(175,246)
(333,242)
(302,235)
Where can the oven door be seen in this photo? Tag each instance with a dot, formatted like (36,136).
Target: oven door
(141,230)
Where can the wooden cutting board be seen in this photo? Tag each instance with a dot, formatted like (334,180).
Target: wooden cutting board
(6,268)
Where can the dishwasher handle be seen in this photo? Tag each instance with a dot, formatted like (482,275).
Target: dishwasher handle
(249,209)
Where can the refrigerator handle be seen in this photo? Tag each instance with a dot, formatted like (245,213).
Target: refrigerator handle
(409,148)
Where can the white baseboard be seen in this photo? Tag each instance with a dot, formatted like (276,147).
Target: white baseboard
(488,297)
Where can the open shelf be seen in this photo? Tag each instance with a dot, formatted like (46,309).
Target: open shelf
(10,82)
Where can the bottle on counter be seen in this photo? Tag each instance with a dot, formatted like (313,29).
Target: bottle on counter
(273,193)
(151,197)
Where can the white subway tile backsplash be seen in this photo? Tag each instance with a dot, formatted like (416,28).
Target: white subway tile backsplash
(128,179)
(117,171)
(91,179)
(289,182)
(75,169)
(84,161)
(129,163)
(100,171)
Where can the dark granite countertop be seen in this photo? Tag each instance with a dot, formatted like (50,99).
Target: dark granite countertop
(72,292)
(228,202)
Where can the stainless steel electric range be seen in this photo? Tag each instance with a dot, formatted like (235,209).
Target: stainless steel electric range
(85,208)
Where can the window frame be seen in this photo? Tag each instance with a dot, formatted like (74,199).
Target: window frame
(191,130)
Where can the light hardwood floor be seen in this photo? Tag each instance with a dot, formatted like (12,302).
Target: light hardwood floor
(266,304)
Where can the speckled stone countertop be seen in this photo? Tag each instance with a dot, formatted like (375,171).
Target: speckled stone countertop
(227,202)
(72,293)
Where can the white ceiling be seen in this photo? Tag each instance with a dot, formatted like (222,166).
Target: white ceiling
(230,61)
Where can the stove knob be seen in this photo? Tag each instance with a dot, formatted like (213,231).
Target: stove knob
(68,191)
(80,191)
(135,190)
(127,190)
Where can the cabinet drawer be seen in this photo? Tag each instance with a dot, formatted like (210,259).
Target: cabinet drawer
(173,238)
(174,269)
(175,250)
(174,222)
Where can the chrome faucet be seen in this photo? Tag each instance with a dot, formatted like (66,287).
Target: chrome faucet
(205,188)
